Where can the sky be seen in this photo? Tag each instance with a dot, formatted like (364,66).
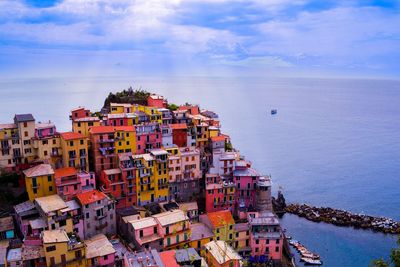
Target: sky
(51,38)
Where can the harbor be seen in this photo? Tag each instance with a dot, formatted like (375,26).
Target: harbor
(308,257)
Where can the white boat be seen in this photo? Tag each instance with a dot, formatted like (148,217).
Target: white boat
(309,261)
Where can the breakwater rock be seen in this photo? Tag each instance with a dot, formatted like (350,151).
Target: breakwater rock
(279,204)
(344,218)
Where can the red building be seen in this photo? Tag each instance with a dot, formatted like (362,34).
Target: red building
(158,101)
(102,148)
(120,182)
(78,113)
(179,134)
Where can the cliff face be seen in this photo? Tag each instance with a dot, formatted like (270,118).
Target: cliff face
(279,204)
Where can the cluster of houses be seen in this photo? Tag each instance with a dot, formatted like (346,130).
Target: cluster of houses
(138,185)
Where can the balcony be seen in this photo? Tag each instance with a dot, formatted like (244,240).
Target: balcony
(102,141)
(145,174)
(72,156)
(54,153)
(144,182)
(58,218)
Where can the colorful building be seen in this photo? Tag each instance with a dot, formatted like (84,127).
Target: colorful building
(75,151)
(78,113)
(62,249)
(46,144)
(175,228)
(179,134)
(245,179)
(152,176)
(184,173)
(39,181)
(148,136)
(201,235)
(125,139)
(221,223)
(53,211)
(99,251)
(157,101)
(68,184)
(102,149)
(242,239)
(99,213)
(145,233)
(83,125)
(220,254)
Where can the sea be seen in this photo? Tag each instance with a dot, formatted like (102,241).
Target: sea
(333,142)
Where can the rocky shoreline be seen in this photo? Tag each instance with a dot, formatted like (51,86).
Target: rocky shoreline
(344,218)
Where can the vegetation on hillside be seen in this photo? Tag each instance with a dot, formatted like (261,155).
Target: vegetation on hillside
(130,95)
(173,107)
(394,258)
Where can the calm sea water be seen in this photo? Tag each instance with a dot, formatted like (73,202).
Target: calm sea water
(333,142)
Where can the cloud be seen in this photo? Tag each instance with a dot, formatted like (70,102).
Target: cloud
(303,34)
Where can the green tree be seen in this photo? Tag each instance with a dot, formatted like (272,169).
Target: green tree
(394,258)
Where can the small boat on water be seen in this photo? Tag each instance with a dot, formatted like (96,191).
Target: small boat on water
(274,111)
(308,261)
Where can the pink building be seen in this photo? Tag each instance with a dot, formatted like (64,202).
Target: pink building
(24,212)
(145,233)
(43,130)
(68,184)
(245,179)
(148,136)
(265,235)
(99,251)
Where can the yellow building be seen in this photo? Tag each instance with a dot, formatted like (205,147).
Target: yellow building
(125,139)
(75,150)
(116,108)
(201,235)
(39,181)
(154,114)
(83,125)
(221,223)
(152,176)
(62,249)
(242,238)
(10,146)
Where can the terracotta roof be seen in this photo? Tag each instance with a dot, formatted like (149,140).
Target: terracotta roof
(64,172)
(39,170)
(168,258)
(220,218)
(90,197)
(32,252)
(101,129)
(125,128)
(218,138)
(71,136)
(178,126)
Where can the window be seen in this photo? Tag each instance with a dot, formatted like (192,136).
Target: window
(155,229)
(141,233)
(49,178)
(87,215)
(168,241)
(276,249)
(54,141)
(105,257)
(51,248)
(34,191)
(257,241)
(50,188)
(81,142)
(167,230)
(71,143)
(25,124)
(277,241)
